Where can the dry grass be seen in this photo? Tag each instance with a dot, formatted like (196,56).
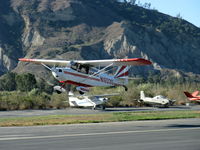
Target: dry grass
(97,118)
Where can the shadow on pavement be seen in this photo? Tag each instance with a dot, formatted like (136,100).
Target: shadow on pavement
(184,126)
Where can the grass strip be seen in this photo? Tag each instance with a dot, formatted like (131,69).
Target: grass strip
(97,118)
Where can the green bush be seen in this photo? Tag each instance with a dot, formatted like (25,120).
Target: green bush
(59,101)
(25,82)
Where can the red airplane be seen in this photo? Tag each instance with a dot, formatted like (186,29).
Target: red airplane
(194,96)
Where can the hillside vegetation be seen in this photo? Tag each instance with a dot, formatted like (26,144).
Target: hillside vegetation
(93,29)
(39,95)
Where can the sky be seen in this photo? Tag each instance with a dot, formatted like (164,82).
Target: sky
(188,9)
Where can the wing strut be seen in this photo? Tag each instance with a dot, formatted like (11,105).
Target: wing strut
(102,69)
(46,66)
(98,72)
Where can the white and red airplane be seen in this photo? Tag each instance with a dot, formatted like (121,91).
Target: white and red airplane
(193,97)
(87,73)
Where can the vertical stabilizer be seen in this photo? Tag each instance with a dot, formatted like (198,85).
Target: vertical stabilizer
(188,95)
(142,96)
(122,72)
(195,93)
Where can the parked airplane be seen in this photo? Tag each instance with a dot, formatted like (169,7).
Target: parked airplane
(87,73)
(92,101)
(193,97)
(158,100)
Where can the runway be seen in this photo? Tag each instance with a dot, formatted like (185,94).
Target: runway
(79,111)
(182,134)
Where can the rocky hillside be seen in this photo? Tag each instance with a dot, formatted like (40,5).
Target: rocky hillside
(94,29)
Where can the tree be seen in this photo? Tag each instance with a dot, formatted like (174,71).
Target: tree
(147,5)
(7,83)
(25,82)
(179,16)
(132,2)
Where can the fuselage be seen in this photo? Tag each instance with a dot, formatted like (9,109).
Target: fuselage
(85,78)
(156,100)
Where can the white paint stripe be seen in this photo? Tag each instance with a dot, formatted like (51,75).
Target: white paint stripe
(92,134)
(14,135)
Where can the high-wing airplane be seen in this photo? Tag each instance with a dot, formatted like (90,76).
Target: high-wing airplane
(193,97)
(158,100)
(87,73)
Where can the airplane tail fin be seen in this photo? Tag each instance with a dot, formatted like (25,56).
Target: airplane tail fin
(195,93)
(142,96)
(122,72)
(188,95)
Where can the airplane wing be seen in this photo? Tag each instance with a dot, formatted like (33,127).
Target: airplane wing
(117,62)
(105,95)
(46,61)
(106,62)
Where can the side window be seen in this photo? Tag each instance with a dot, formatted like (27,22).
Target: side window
(74,66)
(81,68)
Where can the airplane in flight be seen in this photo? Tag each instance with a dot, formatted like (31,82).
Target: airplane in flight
(89,73)
(193,97)
(158,100)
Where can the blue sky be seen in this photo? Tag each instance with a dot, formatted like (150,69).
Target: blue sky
(188,9)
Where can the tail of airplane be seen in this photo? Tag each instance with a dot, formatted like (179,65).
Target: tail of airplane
(195,93)
(188,95)
(122,72)
(142,96)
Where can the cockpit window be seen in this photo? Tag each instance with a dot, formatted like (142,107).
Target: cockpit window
(80,68)
(60,70)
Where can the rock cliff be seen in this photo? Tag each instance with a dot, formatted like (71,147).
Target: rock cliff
(94,29)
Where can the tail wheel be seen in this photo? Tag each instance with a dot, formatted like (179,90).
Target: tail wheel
(125,87)
(80,92)
(103,107)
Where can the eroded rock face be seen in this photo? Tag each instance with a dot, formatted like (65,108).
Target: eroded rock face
(90,29)
(6,63)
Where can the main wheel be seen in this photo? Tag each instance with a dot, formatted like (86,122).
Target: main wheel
(80,92)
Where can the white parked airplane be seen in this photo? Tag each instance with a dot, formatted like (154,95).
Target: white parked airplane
(92,101)
(87,73)
(158,100)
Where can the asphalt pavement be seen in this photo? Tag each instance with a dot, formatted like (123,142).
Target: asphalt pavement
(181,134)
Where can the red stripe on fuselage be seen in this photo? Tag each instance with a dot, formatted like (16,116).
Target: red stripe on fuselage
(76,83)
(86,77)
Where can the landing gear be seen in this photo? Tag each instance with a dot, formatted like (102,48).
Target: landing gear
(58,92)
(94,108)
(80,92)
(125,87)
(103,107)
